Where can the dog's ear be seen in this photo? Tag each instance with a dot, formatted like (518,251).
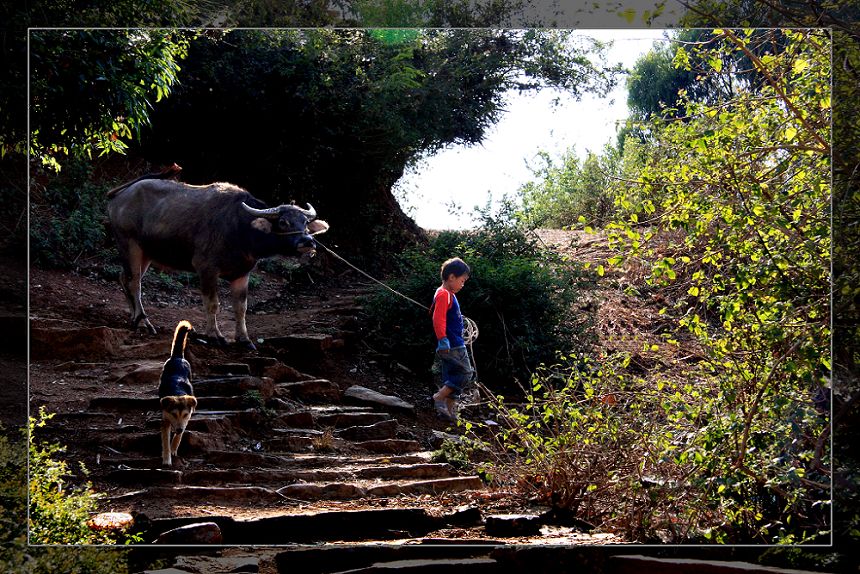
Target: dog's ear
(190,401)
(168,403)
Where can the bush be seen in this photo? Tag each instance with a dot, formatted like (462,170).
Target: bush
(654,460)
(59,511)
(520,295)
(68,219)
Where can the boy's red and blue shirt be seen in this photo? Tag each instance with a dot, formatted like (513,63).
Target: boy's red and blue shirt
(447,319)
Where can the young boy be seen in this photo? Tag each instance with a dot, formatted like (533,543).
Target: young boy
(451,348)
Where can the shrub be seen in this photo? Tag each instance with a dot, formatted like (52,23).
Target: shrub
(520,295)
(68,219)
(58,511)
(655,460)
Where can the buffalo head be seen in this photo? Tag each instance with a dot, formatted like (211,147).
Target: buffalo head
(297,224)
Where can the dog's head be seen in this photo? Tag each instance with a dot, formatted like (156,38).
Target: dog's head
(178,410)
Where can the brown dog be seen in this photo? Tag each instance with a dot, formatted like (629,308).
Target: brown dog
(176,394)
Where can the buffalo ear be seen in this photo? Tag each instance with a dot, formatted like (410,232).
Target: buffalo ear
(317,226)
(262,224)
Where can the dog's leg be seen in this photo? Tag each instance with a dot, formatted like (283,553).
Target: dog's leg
(165,443)
(175,445)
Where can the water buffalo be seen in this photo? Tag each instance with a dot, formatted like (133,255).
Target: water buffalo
(216,230)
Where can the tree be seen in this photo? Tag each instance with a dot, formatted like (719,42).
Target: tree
(93,89)
(333,117)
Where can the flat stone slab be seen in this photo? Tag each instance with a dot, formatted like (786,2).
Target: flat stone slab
(345,525)
(145,476)
(380,430)
(200,533)
(363,395)
(391,445)
(331,491)
(209,494)
(402,471)
(431,566)
(437,486)
(349,419)
(302,343)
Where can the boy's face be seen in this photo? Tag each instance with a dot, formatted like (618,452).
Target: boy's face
(454,283)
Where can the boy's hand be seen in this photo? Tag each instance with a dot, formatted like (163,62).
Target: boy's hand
(444,344)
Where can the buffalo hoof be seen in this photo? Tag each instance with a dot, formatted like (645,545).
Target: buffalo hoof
(136,323)
(248,345)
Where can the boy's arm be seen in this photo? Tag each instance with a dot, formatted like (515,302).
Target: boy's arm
(440,313)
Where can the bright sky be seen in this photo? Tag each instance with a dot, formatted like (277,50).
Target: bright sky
(469,176)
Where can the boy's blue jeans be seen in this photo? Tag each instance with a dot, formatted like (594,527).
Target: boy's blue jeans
(456,369)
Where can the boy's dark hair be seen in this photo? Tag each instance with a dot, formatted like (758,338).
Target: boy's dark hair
(455,266)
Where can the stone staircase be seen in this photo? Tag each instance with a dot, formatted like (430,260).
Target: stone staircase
(267,459)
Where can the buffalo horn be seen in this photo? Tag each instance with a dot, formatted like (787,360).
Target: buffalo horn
(310,212)
(269,212)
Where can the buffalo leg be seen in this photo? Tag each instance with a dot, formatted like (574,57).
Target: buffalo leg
(239,291)
(209,290)
(134,265)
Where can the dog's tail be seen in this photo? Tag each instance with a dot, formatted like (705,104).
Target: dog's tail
(180,336)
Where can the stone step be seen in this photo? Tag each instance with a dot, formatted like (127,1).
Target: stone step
(193,443)
(221,495)
(328,559)
(384,429)
(354,490)
(232,386)
(308,345)
(320,526)
(243,459)
(349,419)
(432,566)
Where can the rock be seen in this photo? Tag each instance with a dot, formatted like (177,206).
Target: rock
(505,525)
(363,395)
(381,430)
(92,343)
(199,533)
(438,437)
(146,373)
(111,521)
